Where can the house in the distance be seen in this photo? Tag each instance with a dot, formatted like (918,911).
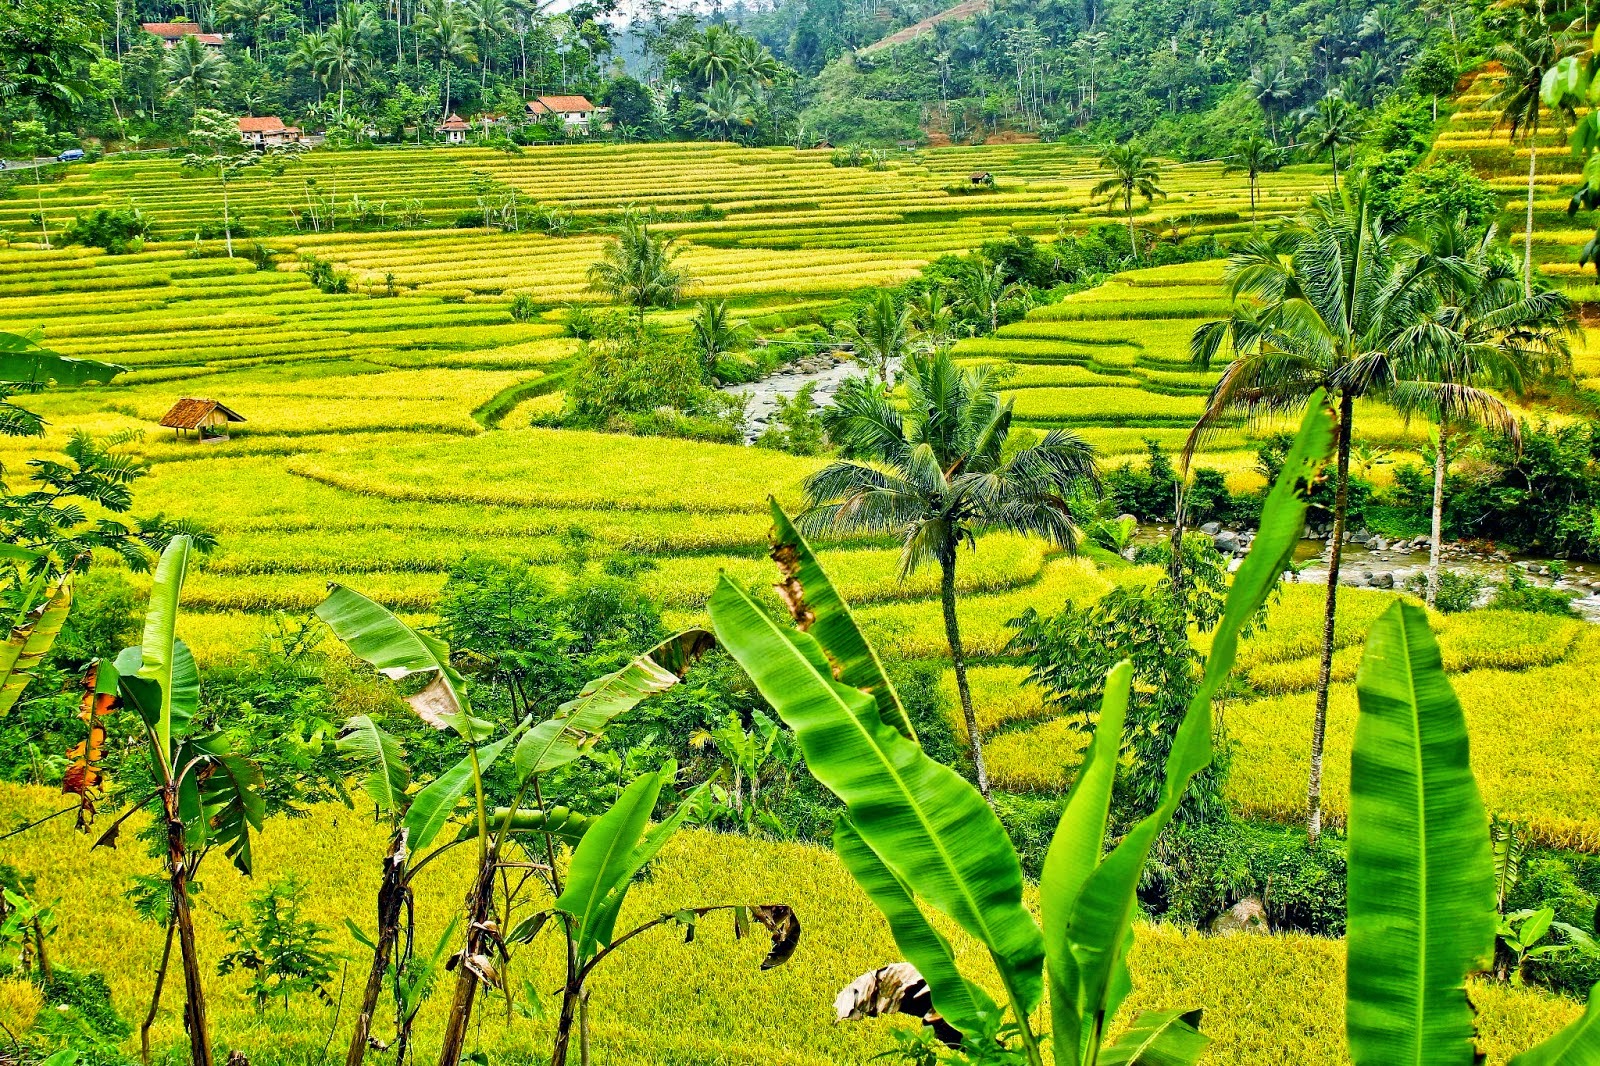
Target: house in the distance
(573,111)
(267,131)
(173,32)
(207,419)
(454,129)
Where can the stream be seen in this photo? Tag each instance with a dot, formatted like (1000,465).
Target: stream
(824,370)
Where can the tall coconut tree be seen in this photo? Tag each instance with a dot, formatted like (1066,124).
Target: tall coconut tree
(1331,124)
(1271,89)
(1325,299)
(1479,332)
(446,36)
(713,55)
(194,72)
(880,334)
(1525,56)
(1131,173)
(639,268)
(939,473)
(1252,157)
(487,19)
(346,45)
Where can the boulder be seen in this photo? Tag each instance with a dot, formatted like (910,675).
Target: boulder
(1379,544)
(1246,916)
(1362,537)
(1226,542)
(1211,529)
(1384,579)
(1128,518)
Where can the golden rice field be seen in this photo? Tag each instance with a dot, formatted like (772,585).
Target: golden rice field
(379,452)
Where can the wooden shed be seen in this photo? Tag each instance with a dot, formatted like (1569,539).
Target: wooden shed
(208,419)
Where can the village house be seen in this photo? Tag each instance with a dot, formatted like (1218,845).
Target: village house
(173,32)
(207,419)
(573,111)
(454,129)
(267,131)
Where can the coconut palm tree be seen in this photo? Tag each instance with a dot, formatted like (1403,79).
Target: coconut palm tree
(345,44)
(1270,88)
(1525,56)
(1252,157)
(1329,297)
(880,334)
(446,35)
(639,268)
(756,63)
(251,14)
(1133,173)
(939,474)
(983,294)
(715,332)
(725,107)
(713,55)
(487,19)
(1479,330)
(932,316)
(307,57)
(1333,123)
(194,71)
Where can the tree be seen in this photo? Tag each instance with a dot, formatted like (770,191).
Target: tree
(195,72)
(940,474)
(713,55)
(638,268)
(487,20)
(1332,124)
(715,333)
(724,108)
(1270,88)
(1330,299)
(1525,57)
(46,47)
(1252,157)
(215,148)
(1132,173)
(447,40)
(931,315)
(37,138)
(1478,330)
(344,46)
(983,294)
(880,334)
(250,14)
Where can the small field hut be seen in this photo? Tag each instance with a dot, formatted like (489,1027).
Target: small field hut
(207,419)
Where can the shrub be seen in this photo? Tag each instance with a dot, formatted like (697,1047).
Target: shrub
(1146,492)
(1198,871)
(116,229)
(796,426)
(1208,499)
(323,274)
(1520,594)
(286,955)
(1458,589)
(651,383)
(524,308)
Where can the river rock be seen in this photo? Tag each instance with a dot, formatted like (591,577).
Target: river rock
(1246,916)
(1362,537)
(1226,542)
(1211,529)
(1384,579)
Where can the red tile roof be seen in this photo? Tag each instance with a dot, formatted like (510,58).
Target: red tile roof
(189,413)
(210,38)
(560,104)
(172,29)
(454,123)
(263,124)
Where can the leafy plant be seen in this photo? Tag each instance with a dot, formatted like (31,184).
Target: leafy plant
(285,954)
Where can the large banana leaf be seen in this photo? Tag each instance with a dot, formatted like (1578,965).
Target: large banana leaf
(1576,1045)
(963,1004)
(1075,851)
(387,777)
(1099,929)
(654,840)
(926,823)
(432,807)
(29,642)
(373,633)
(219,797)
(145,696)
(21,359)
(816,606)
(577,724)
(1421,876)
(1159,1038)
(157,658)
(601,861)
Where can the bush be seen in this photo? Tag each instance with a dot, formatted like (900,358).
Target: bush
(651,383)
(1458,589)
(1520,594)
(1146,492)
(118,230)
(796,426)
(1197,872)
(524,308)
(1208,499)
(324,276)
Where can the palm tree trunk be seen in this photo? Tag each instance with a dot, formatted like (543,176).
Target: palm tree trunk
(391,897)
(1319,726)
(1527,234)
(480,902)
(1133,245)
(38,195)
(952,633)
(1252,199)
(194,1010)
(1440,463)
(1335,150)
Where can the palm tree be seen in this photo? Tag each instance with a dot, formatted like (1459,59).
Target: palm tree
(725,106)
(307,56)
(487,20)
(1252,157)
(448,41)
(881,334)
(344,46)
(1525,58)
(715,333)
(756,63)
(252,14)
(1270,88)
(984,292)
(713,54)
(1329,299)
(194,71)
(638,268)
(1332,124)
(1479,330)
(1132,173)
(939,474)
(931,315)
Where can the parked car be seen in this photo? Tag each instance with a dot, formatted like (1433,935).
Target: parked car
(71,155)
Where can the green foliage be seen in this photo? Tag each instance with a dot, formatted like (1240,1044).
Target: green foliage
(324,275)
(524,308)
(1198,871)
(796,426)
(1517,593)
(285,954)
(1147,492)
(1458,589)
(117,230)
(650,383)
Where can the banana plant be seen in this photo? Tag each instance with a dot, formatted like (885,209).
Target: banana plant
(1422,890)
(208,795)
(608,857)
(917,837)
(36,621)
(398,651)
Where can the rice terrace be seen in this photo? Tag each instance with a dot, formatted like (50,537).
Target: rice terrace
(803,532)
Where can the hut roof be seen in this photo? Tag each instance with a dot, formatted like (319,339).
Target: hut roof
(453,123)
(554,105)
(189,413)
(262,124)
(172,29)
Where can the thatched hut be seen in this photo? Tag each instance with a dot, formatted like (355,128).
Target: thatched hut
(207,419)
